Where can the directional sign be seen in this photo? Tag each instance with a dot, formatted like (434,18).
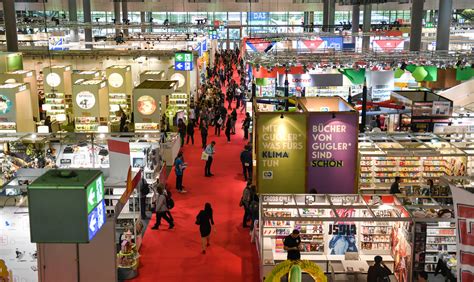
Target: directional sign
(183,66)
(95,193)
(96,219)
(183,57)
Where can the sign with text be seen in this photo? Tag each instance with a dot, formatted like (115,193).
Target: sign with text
(311,80)
(281,153)
(332,152)
(259,16)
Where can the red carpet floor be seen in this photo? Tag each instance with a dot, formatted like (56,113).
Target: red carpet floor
(175,255)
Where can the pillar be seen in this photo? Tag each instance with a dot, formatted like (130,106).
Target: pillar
(355,18)
(72,7)
(118,19)
(311,21)
(366,27)
(416,25)
(305,21)
(10,25)
(143,20)
(325,14)
(444,23)
(148,17)
(332,13)
(125,15)
(86,7)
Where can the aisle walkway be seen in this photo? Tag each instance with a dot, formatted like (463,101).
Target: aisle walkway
(175,255)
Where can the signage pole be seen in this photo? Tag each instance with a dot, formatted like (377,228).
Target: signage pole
(287,94)
(78,263)
(364,108)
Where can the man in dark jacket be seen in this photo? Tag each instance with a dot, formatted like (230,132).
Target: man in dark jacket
(246,160)
(190,132)
(379,271)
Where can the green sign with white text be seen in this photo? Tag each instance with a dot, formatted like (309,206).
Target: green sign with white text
(183,57)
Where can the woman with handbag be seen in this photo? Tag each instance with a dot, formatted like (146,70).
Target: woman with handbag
(205,221)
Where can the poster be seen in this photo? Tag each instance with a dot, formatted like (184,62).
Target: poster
(343,235)
(16,250)
(464,210)
(332,152)
(281,149)
(441,108)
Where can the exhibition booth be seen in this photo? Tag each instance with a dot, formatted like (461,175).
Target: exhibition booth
(16,110)
(24,76)
(90,105)
(309,145)
(340,233)
(150,98)
(414,157)
(57,89)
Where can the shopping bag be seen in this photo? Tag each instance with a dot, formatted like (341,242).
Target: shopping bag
(204,156)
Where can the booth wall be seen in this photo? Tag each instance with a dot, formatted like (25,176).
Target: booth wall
(332,152)
(281,148)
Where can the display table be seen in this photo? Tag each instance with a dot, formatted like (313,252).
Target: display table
(355,266)
(171,149)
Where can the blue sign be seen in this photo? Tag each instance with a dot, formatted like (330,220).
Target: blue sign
(56,43)
(259,16)
(183,66)
(204,45)
(333,42)
(96,219)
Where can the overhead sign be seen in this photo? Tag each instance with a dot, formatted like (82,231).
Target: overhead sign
(95,193)
(335,43)
(388,45)
(259,16)
(312,80)
(213,34)
(183,61)
(96,219)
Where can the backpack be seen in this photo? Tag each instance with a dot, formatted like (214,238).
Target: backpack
(169,200)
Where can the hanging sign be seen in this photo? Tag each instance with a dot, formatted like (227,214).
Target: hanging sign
(332,152)
(183,61)
(388,45)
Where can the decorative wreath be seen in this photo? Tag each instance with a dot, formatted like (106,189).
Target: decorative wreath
(295,268)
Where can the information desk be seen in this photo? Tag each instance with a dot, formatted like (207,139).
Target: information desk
(335,229)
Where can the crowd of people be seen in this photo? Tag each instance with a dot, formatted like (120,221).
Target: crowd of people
(220,97)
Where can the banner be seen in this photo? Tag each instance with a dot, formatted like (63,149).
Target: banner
(259,45)
(464,211)
(335,43)
(332,152)
(311,80)
(310,44)
(388,45)
(281,147)
(131,185)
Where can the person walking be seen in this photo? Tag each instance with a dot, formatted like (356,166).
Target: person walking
(179,167)
(246,160)
(205,220)
(228,128)
(246,125)
(233,116)
(218,121)
(181,130)
(190,132)
(247,196)
(379,271)
(161,210)
(395,188)
(210,156)
(204,133)
(144,190)
(254,210)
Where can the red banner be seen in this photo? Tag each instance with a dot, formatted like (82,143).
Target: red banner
(388,45)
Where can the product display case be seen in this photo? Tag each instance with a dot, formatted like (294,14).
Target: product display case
(333,227)
(120,83)
(24,76)
(57,91)
(178,105)
(152,74)
(91,105)
(16,111)
(414,157)
(150,98)
(435,234)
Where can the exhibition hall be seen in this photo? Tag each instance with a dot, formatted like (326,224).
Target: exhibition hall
(278,140)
